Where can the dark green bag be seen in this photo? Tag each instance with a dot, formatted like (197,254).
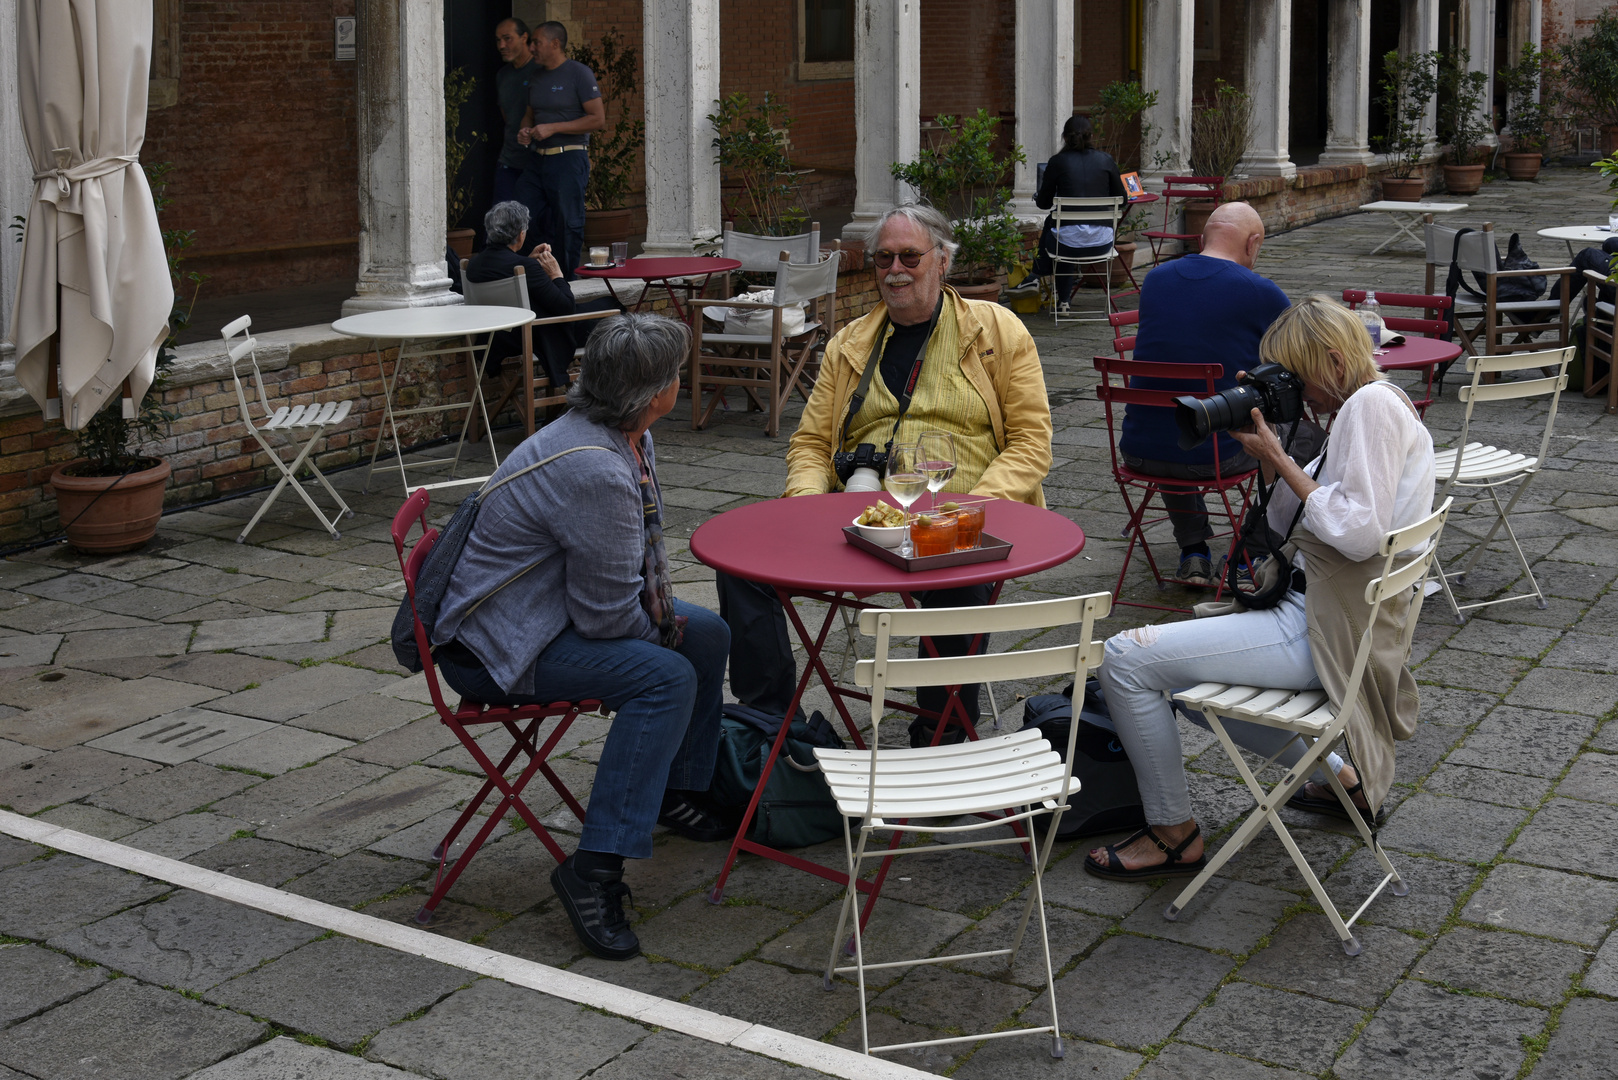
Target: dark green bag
(797,808)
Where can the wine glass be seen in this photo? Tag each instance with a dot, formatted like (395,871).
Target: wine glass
(936,460)
(905,482)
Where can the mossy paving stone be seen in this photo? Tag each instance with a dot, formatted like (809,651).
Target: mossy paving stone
(1273,1025)
(1424,1032)
(1506,964)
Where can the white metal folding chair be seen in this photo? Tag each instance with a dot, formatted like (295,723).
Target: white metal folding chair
(883,788)
(1085,211)
(1311,716)
(314,417)
(1479,467)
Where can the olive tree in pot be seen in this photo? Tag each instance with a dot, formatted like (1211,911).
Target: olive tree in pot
(961,175)
(607,217)
(1590,64)
(1409,84)
(1532,94)
(112,499)
(1461,122)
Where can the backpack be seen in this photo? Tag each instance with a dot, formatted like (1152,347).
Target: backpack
(1108,796)
(797,808)
(1507,290)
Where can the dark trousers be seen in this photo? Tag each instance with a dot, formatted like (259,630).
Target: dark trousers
(552,187)
(764,674)
(1188,513)
(1049,248)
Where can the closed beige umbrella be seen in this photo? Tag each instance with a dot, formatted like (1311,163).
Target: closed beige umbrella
(93,267)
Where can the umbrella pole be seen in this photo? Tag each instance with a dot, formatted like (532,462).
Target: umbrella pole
(53,379)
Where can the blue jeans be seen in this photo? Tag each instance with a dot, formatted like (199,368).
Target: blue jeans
(1258,648)
(665,733)
(552,187)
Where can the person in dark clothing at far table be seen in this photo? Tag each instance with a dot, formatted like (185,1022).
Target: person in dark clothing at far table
(506,226)
(1199,309)
(511,40)
(564,106)
(1078,170)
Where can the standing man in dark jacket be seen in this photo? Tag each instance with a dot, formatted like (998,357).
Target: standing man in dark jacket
(564,106)
(511,87)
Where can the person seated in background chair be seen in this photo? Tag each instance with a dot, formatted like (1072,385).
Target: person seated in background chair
(1078,170)
(505,228)
(1197,309)
(595,617)
(1375,475)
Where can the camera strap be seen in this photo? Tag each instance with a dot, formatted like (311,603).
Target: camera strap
(873,362)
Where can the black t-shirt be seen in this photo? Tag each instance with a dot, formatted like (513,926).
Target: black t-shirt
(900,354)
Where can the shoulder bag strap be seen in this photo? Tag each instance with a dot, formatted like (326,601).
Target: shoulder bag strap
(874,361)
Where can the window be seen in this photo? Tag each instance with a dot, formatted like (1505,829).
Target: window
(825,39)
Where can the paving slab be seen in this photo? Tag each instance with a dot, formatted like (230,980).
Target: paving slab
(511,876)
(1593,777)
(65,776)
(87,589)
(1274,1026)
(697,932)
(1570,835)
(362,717)
(543,935)
(302,692)
(205,581)
(15,753)
(770,995)
(1265,862)
(291,793)
(663,979)
(189,941)
(896,931)
(45,617)
(81,817)
(39,687)
(143,602)
(377,809)
(1228,915)
(136,641)
(1603,974)
(225,671)
(1166,982)
(678,1057)
(284,1058)
(419,841)
(1498,742)
(261,861)
(1305,955)
(182,735)
(132,567)
(168,792)
(1435,886)
(356,878)
(1487,785)
(340,990)
(1508,965)
(24,650)
(1581,1047)
(1451,828)
(14,852)
(940,998)
(1566,691)
(185,835)
(1423,1032)
(33,980)
(1066,883)
(1071,933)
(970,882)
(81,720)
(276,750)
(1538,901)
(418,740)
(261,630)
(1177,1061)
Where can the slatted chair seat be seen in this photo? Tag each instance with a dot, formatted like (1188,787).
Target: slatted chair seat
(317,414)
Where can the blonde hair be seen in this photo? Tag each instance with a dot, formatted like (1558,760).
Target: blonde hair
(1305,335)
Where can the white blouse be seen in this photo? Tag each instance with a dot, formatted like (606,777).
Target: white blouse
(1378,475)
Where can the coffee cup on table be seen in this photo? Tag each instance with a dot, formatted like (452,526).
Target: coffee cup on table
(598,256)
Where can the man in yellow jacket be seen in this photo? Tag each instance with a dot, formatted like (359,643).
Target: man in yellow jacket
(967,367)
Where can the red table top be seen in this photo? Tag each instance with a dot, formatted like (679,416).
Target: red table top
(657,269)
(1417,352)
(798,543)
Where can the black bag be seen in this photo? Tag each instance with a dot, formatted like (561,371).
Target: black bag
(1108,799)
(797,808)
(1507,290)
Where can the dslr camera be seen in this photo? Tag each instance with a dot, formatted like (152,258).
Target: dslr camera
(1270,388)
(861,469)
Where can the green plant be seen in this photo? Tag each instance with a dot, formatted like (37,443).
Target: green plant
(1221,131)
(1461,122)
(962,174)
(1409,84)
(1532,91)
(1591,66)
(750,144)
(18,224)
(613,153)
(1119,106)
(458,87)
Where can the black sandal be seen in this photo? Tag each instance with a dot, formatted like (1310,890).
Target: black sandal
(1331,806)
(1171,866)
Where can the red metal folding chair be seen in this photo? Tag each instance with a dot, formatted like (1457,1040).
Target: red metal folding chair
(522,723)
(1121,344)
(1432,323)
(1183,189)
(1139,489)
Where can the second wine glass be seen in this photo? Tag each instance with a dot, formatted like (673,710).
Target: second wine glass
(935,459)
(904,481)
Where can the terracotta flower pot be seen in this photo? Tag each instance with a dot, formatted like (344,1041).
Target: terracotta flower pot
(1463,179)
(107,514)
(604,227)
(1521,165)
(986,290)
(1403,188)
(460,241)
(1196,215)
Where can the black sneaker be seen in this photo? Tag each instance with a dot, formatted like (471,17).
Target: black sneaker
(692,821)
(594,902)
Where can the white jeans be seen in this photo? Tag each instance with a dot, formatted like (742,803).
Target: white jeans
(1261,648)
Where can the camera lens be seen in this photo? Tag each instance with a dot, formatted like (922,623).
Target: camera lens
(1197,418)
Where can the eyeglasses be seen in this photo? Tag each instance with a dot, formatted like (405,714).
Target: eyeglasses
(911,259)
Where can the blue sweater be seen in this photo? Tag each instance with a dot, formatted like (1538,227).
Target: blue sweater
(1196,310)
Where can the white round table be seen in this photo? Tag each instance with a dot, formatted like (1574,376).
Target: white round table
(432,325)
(1582,234)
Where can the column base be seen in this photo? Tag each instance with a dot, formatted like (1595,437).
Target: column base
(1348,156)
(389,296)
(668,249)
(1269,167)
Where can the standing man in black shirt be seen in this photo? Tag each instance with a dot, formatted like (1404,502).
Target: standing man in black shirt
(511,39)
(564,106)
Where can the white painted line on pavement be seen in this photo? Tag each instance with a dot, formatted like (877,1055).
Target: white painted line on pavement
(632,1004)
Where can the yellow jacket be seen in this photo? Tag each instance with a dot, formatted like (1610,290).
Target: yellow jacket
(999,359)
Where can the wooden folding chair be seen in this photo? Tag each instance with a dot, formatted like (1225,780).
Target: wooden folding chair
(1182,189)
(522,723)
(1311,716)
(881,789)
(1432,324)
(1486,326)
(1598,325)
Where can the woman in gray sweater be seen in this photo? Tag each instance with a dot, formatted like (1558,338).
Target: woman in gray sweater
(595,617)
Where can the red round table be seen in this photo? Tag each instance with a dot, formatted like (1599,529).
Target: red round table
(1418,353)
(663,272)
(797,546)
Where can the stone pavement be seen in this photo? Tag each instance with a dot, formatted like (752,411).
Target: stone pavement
(235,707)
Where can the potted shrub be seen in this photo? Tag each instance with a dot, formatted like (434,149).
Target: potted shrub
(750,147)
(1119,129)
(961,175)
(1591,66)
(613,151)
(1461,123)
(458,87)
(112,499)
(1221,132)
(1409,84)
(1531,98)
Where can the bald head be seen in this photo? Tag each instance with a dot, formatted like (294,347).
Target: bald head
(1234,231)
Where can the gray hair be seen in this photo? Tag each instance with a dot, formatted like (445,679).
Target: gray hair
(628,361)
(505,222)
(936,225)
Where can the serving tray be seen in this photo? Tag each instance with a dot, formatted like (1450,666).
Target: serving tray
(991,549)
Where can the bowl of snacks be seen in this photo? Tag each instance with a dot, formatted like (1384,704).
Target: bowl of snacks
(883,524)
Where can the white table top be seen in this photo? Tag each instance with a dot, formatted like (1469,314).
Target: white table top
(429,322)
(1394,206)
(1593,234)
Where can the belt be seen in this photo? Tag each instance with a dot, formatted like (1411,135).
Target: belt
(549,150)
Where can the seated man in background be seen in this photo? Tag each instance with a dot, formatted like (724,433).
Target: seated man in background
(967,367)
(505,228)
(1198,309)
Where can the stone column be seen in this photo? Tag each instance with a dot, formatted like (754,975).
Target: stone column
(1044,45)
(1523,27)
(1269,81)
(16,183)
(1477,35)
(1418,33)
(1168,36)
(887,104)
(1348,77)
(681,77)
(401,159)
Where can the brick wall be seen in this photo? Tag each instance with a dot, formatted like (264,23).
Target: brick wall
(967,60)
(1102,49)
